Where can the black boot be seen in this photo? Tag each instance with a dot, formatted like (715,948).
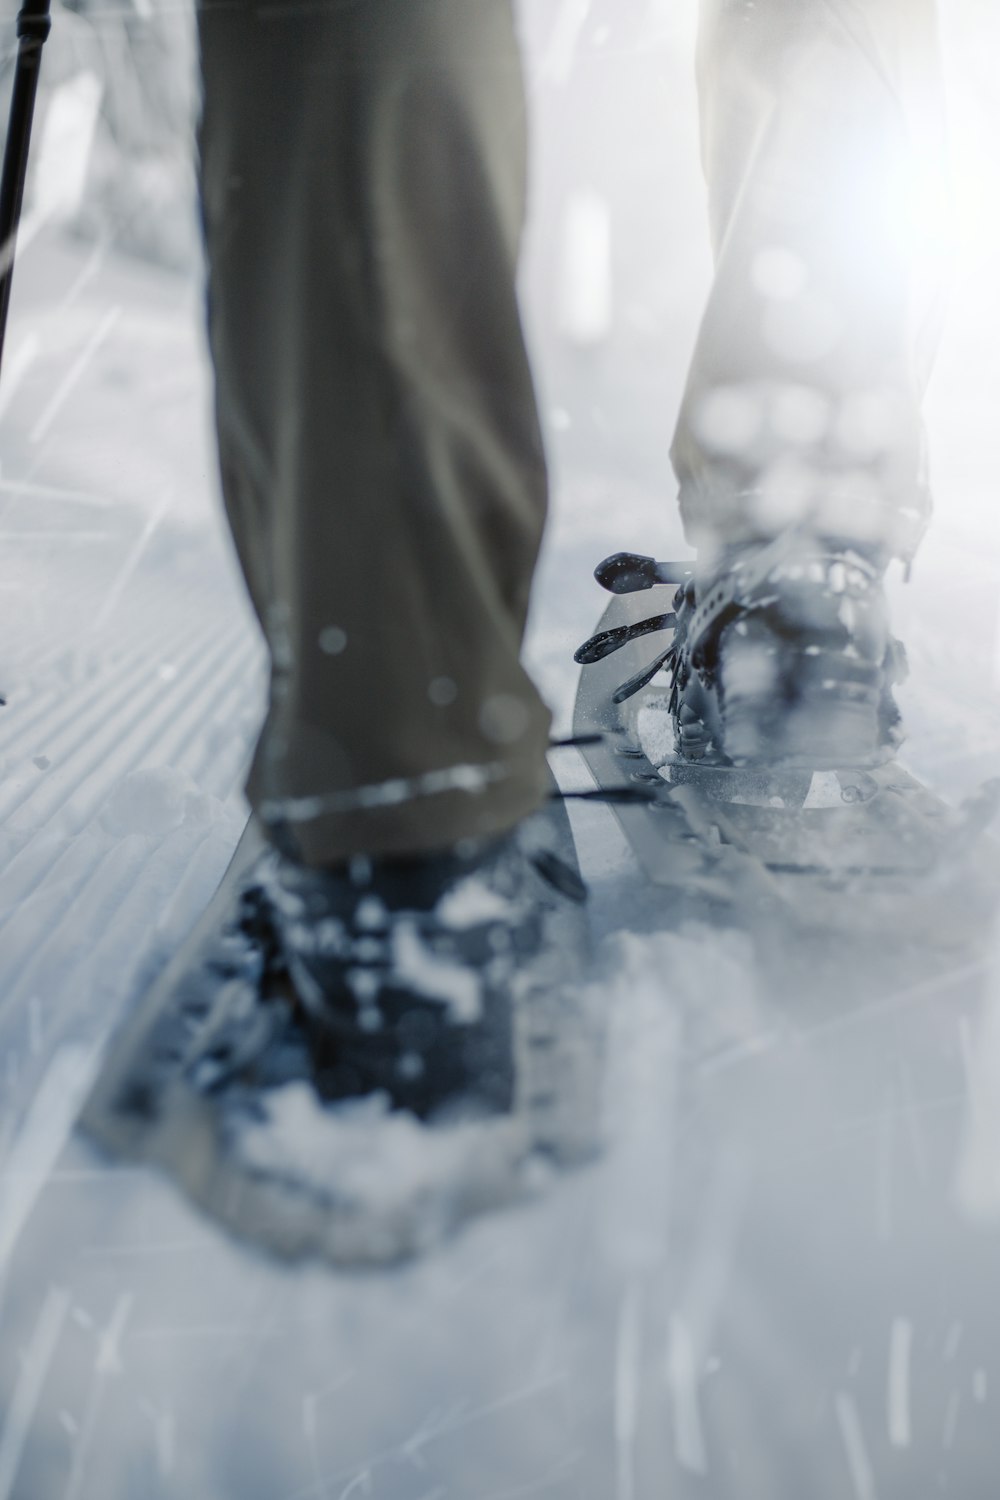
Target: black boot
(352,1062)
(783,657)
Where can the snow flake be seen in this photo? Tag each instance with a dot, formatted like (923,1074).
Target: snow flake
(371,914)
(471,903)
(333,640)
(442,692)
(364,985)
(416,966)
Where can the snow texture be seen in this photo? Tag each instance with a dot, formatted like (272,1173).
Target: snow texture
(154,802)
(402,1183)
(415,965)
(472,902)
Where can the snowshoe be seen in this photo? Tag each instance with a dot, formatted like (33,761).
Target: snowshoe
(750,762)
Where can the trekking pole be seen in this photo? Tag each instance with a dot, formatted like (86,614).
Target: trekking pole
(33,25)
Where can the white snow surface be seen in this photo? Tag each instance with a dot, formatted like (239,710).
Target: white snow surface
(655,729)
(400,1183)
(448,983)
(472,902)
(155,801)
(709,1309)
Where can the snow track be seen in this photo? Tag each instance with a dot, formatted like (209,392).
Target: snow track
(122,747)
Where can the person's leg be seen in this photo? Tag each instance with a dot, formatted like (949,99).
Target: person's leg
(362,180)
(412,932)
(822,134)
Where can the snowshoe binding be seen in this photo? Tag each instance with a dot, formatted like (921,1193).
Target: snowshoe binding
(781,655)
(750,759)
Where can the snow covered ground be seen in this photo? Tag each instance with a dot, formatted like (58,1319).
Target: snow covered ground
(765,1288)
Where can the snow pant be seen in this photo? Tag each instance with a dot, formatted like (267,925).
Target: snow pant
(362,173)
(823,143)
(363,190)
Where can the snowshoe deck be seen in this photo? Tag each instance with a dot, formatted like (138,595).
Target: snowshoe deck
(851,848)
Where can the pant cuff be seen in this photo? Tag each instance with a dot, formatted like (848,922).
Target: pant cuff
(404,817)
(750,516)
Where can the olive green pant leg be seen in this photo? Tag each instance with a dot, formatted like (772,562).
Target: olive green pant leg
(362,168)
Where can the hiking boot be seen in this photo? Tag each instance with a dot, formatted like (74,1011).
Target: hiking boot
(352,1062)
(783,657)
(780,655)
(425,979)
